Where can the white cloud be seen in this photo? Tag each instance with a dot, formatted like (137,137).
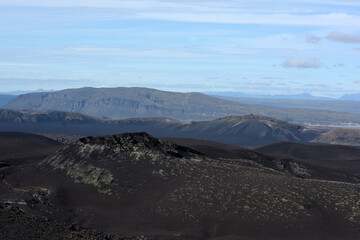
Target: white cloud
(331,19)
(343,37)
(204,4)
(17,64)
(103,51)
(167,52)
(296,63)
(276,12)
(313,39)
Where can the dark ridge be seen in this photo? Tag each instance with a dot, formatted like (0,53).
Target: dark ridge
(43,117)
(287,163)
(217,150)
(249,130)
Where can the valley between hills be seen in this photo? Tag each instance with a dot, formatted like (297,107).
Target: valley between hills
(193,173)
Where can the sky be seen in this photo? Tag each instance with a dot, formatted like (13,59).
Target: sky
(256,47)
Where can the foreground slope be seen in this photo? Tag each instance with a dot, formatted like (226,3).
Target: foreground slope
(134,184)
(248,130)
(18,224)
(120,103)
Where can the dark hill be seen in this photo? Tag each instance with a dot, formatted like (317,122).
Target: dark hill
(215,149)
(135,184)
(249,130)
(344,158)
(19,148)
(120,103)
(286,163)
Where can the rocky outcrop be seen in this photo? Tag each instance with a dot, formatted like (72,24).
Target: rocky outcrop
(92,160)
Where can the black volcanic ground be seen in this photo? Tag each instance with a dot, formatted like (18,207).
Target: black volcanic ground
(138,185)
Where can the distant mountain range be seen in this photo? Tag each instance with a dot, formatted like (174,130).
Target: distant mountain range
(121,103)
(303,96)
(351,97)
(345,106)
(19,92)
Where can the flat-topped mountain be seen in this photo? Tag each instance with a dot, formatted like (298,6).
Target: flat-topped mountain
(135,184)
(120,103)
(248,130)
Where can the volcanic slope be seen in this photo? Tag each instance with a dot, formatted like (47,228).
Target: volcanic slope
(135,184)
(248,130)
(343,158)
(291,164)
(121,103)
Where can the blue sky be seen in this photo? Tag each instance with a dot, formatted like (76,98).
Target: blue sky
(271,46)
